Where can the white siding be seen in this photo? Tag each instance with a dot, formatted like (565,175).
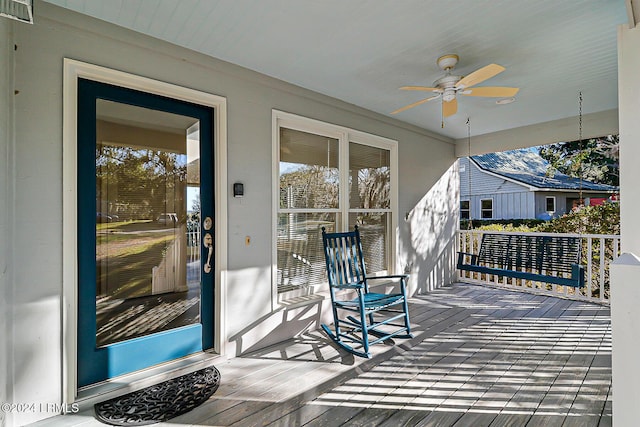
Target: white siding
(505,205)
(510,200)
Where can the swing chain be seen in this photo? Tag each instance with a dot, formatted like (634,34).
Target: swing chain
(581,201)
(470,224)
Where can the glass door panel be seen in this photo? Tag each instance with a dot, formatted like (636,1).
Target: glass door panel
(147,260)
(145,184)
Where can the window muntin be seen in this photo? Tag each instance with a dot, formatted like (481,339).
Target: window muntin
(349,181)
(486,208)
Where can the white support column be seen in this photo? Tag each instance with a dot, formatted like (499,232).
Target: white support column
(629,112)
(625,288)
(625,324)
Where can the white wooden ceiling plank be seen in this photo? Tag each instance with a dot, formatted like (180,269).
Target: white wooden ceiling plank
(129,12)
(111,10)
(362,51)
(146,15)
(163,17)
(183,21)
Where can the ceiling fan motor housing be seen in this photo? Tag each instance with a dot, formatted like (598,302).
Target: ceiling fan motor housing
(447,62)
(449,95)
(447,84)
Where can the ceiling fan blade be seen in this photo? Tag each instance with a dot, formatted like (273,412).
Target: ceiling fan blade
(415,104)
(493,92)
(450,108)
(480,75)
(423,88)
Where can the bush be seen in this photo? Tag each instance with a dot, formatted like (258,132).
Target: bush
(501,224)
(601,219)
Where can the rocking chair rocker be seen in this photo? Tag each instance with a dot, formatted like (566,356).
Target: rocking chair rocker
(347,275)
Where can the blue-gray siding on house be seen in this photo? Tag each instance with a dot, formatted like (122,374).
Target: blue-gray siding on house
(510,199)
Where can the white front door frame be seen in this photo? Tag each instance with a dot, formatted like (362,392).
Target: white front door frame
(73,70)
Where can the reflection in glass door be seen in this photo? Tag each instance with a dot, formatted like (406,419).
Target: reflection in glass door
(145,297)
(147,212)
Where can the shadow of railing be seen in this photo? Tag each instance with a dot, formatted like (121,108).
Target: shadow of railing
(482,355)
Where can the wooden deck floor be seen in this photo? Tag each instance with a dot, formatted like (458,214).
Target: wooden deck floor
(481,357)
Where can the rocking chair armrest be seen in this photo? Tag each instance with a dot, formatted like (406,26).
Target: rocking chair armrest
(349,286)
(391,276)
(403,280)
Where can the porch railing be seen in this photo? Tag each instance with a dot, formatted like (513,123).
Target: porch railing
(193,245)
(598,251)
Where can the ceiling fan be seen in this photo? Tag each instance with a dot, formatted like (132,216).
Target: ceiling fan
(449,86)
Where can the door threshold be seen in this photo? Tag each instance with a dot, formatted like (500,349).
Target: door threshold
(114,387)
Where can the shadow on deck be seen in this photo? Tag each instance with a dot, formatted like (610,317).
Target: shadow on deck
(481,357)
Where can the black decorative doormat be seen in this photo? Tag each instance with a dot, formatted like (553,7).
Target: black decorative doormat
(160,402)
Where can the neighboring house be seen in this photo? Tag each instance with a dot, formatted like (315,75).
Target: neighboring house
(516,184)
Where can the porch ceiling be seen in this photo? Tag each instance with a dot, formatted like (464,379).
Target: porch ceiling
(362,51)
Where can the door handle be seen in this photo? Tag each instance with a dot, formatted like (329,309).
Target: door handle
(207,242)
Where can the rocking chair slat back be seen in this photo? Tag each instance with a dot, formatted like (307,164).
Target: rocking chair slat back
(344,265)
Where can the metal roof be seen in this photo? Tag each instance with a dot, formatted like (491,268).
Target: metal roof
(528,167)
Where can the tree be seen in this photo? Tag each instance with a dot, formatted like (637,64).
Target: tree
(309,186)
(142,182)
(595,159)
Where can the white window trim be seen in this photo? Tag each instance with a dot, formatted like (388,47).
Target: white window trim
(468,209)
(492,208)
(73,70)
(555,207)
(344,136)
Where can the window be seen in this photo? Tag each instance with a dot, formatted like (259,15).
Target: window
(309,193)
(370,201)
(486,208)
(550,203)
(465,211)
(332,177)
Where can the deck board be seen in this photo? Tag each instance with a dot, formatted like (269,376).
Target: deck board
(481,356)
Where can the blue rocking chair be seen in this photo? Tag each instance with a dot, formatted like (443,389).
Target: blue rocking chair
(347,275)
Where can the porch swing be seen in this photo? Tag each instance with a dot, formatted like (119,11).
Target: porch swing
(542,258)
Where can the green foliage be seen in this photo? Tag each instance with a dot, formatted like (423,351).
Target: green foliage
(502,224)
(522,228)
(312,186)
(594,159)
(144,180)
(309,186)
(601,219)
